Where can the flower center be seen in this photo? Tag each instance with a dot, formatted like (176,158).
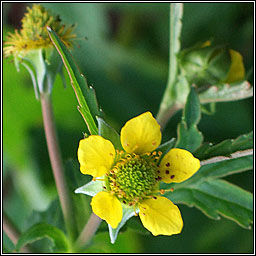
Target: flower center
(134,177)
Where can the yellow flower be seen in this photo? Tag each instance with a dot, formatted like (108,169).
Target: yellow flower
(131,177)
(33,34)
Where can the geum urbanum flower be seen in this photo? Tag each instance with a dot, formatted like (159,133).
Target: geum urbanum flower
(31,46)
(131,177)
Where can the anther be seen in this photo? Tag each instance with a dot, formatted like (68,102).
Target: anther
(162,191)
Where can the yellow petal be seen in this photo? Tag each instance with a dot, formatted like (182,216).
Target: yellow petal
(160,216)
(108,208)
(178,165)
(95,155)
(237,70)
(141,134)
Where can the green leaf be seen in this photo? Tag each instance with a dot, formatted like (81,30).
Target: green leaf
(226,147)
(108,133)
(224,168)
(52,215)
(88,105)
(44,230)
(192,114)
(215,197)
(188,135)
(227,92)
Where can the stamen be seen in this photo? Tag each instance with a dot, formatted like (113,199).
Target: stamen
(94,179)
(135,213)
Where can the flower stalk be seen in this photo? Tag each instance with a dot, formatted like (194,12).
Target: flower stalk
(57,163)
(88,232)
(169,104)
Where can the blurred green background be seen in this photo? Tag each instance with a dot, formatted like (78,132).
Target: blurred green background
(125,58)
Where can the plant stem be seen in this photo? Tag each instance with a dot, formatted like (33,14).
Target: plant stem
(57,164)
(88,232)
(12,232)
(169,106)
(165,113)
(234,155)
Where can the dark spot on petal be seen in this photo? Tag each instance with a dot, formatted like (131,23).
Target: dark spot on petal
(168,164)
(159,178)
(172,176)
(154,197)
(167,172)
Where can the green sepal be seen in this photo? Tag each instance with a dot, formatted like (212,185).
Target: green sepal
(109,133)
(204,64)
(128,212)
(92,188)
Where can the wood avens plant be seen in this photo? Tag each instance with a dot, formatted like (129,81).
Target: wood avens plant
(133,173)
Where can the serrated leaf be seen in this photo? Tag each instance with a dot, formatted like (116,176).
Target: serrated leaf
(188,135)
(219,197)
(108,133)
(44,230)
(226,147)
(224,168)
(88,106)
(215,197)
(227,92)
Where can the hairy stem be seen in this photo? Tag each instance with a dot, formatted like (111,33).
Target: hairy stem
(57,164)
(12,232)
(88,232)
(169,104)
(237,154)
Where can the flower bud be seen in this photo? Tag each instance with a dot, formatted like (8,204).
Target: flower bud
(208,65)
